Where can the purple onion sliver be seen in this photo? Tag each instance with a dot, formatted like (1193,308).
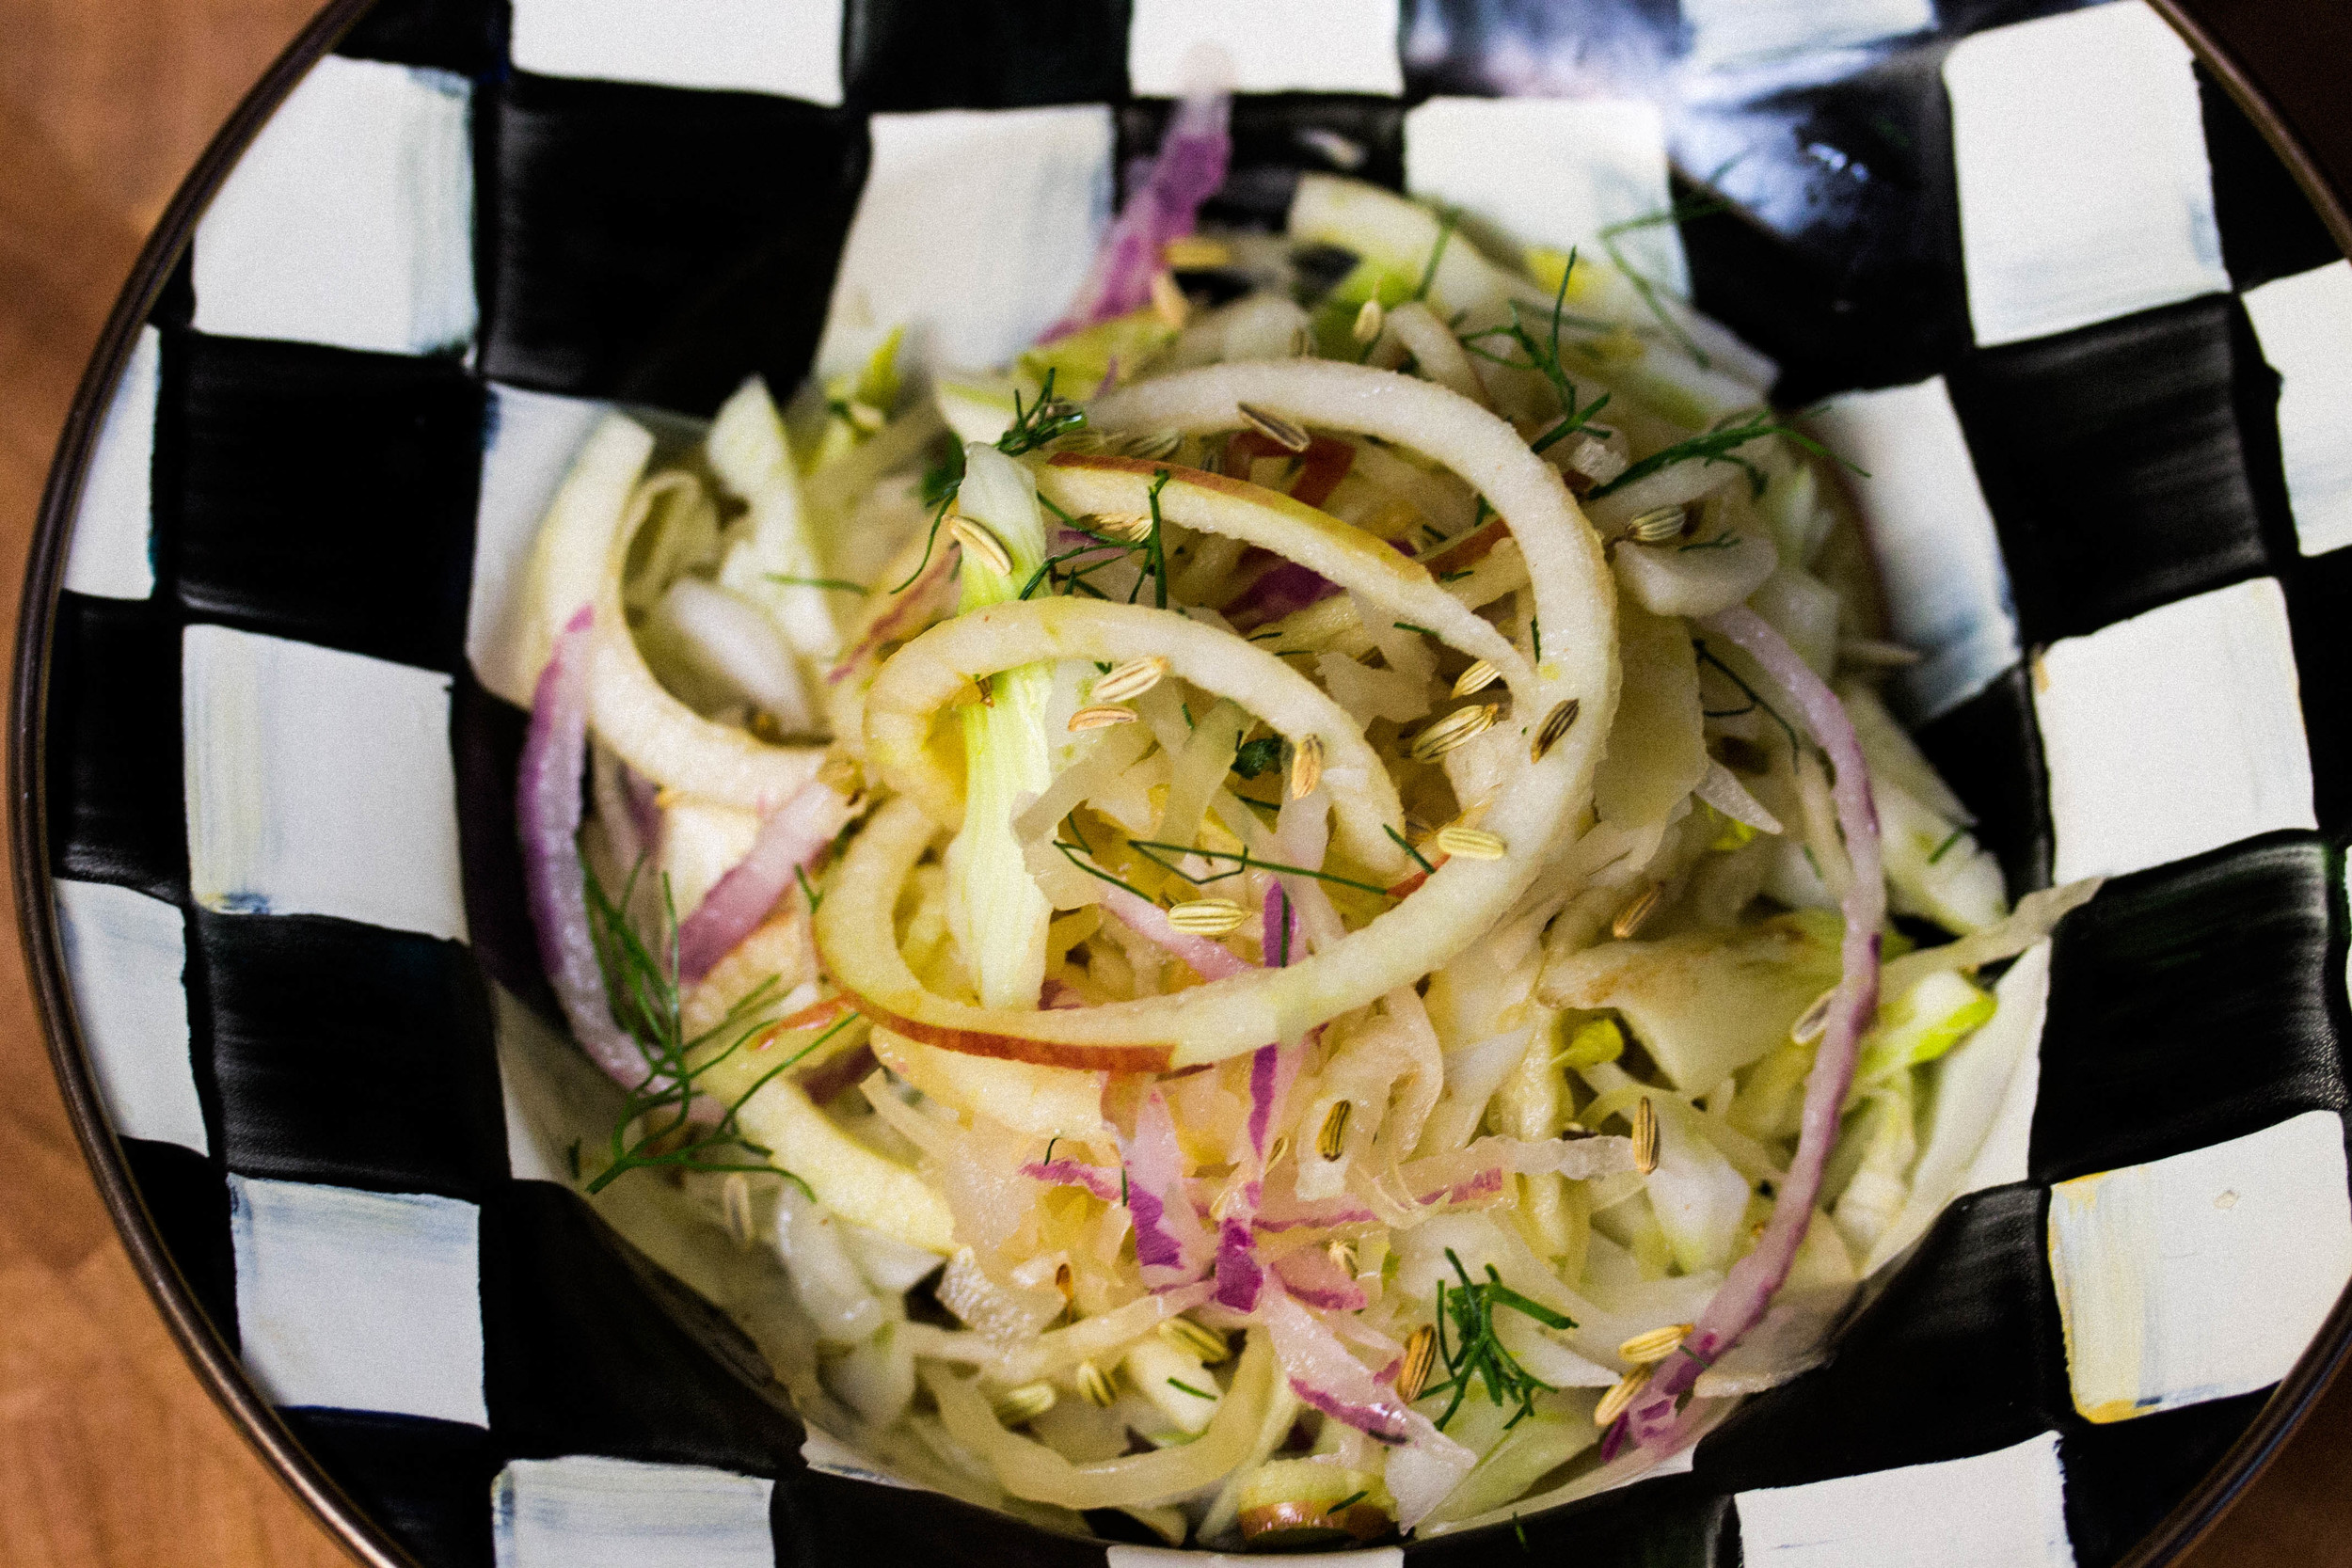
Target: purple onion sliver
(1098,1181)
(1745,1294)
(794,834)
(1279,936)
(1239,1274)
(1164,206)
(546,812)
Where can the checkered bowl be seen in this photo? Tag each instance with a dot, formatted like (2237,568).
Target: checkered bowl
(2039,271)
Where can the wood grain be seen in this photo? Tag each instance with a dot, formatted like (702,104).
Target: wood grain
(111,1454)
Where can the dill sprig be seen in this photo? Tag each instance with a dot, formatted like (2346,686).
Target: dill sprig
(1154,549)
(1543,357)
(1244,861)
(1033,425)
(1473,1352)
(1674,213)
(1719,445)
(838,585)
(641,988)
(1407,844)
(1707,657)
(1041,421)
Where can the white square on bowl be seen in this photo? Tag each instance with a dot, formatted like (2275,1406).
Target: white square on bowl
(2173,733)
(126,956)
(1939,557)
(349,221)
(2204,1275)
(975,229)
(111,554)
(1603,161)
(2305,325)
(1727,32)
(359,1300)
(1270,45)
(2006,1508)
(789,48)
(2084,187)
(585,1511)
(318,783)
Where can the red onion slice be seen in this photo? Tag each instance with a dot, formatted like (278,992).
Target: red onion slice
(1740,1303)
(794,834)
(1310,1274)
(1189,171)
(547,812)
(1240,1277)
(1098,1181)
(1171,1245)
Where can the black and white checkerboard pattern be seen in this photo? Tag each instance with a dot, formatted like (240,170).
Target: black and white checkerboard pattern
(2067,310)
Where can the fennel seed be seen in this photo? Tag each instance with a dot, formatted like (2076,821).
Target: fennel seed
(1453,730)
(1128,528)
(1657,524)
(1198,1338)
(1302,342)
(1024,1403)
(1206,917)
(1556,723)
(1636,914)
(1332,1140)
(1813,1023)
(1476,678)
(1275,1150)
(1421,1357)
(1099,718)
(1306,767)
(1131,680)
(1645,1135)
(1621,1394)
(1369,321)
(1284,432)
(1471,844)
(1655,1346)
(1099,1387)
(975,538)
(1167,299)
(1152,445)
(1187,252)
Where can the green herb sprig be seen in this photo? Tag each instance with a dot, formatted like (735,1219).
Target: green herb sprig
(1543,357)
(1720,445)
(1243,862)
(1707,657)
(641,988)
(1474,1353)
(837,585)
(1033,425)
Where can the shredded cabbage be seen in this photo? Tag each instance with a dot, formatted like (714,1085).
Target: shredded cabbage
(1331,950)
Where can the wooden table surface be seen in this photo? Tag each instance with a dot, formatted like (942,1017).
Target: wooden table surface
(111,1453)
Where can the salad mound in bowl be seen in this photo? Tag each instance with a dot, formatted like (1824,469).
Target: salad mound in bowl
(1297,916)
